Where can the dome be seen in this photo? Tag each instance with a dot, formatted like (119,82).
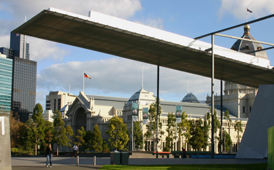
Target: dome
(143,97)
(190,98)
(248,46)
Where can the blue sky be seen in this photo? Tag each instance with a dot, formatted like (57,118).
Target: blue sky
(61,66)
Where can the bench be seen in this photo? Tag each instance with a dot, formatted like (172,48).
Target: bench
(163,154)
(197,153)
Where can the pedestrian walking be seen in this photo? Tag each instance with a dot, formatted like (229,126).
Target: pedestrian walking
(75,149)
(49,155)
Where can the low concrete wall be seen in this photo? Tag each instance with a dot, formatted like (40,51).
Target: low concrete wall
(5,156)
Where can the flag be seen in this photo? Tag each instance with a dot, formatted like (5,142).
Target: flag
(248,10)
(85,75)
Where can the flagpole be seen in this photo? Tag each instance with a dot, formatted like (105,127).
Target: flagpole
(246,15)
(83,82)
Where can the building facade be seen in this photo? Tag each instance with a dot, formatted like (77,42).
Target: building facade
(6,66)
(7,51)
(24,71)
(24,87)
(89,110)
(56,100)
(19,46)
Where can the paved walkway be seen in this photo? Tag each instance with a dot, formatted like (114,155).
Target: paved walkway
(69,163)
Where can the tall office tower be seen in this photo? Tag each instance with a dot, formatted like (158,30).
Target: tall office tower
(6,51)
(5,84)
(19,46)
(24,87)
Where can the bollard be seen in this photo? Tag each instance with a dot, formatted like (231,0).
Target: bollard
(94,160)
(77,163)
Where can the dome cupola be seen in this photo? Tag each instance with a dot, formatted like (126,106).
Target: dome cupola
(191,98)
(248,46)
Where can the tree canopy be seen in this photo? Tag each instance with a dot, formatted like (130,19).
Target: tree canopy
(118,137)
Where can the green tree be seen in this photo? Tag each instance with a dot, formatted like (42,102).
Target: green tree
(97,140)
(30,135)
(22,135)
(70,134)
(48,137)
(88,138)
(48,132)
(137,135)
(197,139)
(184,128)
(39,124)
(59,131)
(206,129)
(227,140)
(105,147)
(48,126)
(117,132)
(227,137)
(152,125)
(171,122)
(238,128)
(15,126)
(79,137)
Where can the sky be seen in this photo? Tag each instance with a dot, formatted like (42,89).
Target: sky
(60,67)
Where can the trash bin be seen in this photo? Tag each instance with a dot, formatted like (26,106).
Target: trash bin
(124,158)
(115,158)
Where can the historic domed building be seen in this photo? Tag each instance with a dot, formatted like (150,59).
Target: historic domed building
(191,98)
(238,99)
(252,48)
(89,110)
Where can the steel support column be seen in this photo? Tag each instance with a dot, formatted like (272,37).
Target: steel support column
(212,96)
(157,118)
(221,133)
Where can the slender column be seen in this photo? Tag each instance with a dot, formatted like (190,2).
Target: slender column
(212,96)
(157,118)
(132,134)
(143,135)
(221,134)
(176,146)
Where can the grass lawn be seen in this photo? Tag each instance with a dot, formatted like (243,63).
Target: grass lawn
(259,166)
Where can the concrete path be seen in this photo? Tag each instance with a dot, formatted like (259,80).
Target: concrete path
(69,163)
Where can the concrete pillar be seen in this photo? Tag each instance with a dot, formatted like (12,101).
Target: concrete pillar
(5,156)
(94,160)
(77,160)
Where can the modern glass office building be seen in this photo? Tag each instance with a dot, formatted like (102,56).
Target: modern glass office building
(24,87)
(6,51)
(19,46)
(6,66)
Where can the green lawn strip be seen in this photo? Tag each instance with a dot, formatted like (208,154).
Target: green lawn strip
(259,166)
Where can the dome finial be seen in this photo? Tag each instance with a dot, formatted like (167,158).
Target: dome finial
(247,29)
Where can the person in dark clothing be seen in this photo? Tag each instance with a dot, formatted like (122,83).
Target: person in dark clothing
(49,155)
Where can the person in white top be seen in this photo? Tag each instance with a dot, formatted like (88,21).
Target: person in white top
(75,149)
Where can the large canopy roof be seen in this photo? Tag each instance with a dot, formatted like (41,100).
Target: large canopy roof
(138,42)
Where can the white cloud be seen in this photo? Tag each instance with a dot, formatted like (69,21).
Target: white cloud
(238,8)
(118,75)
(4,41)
(42,49)
(119,8)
